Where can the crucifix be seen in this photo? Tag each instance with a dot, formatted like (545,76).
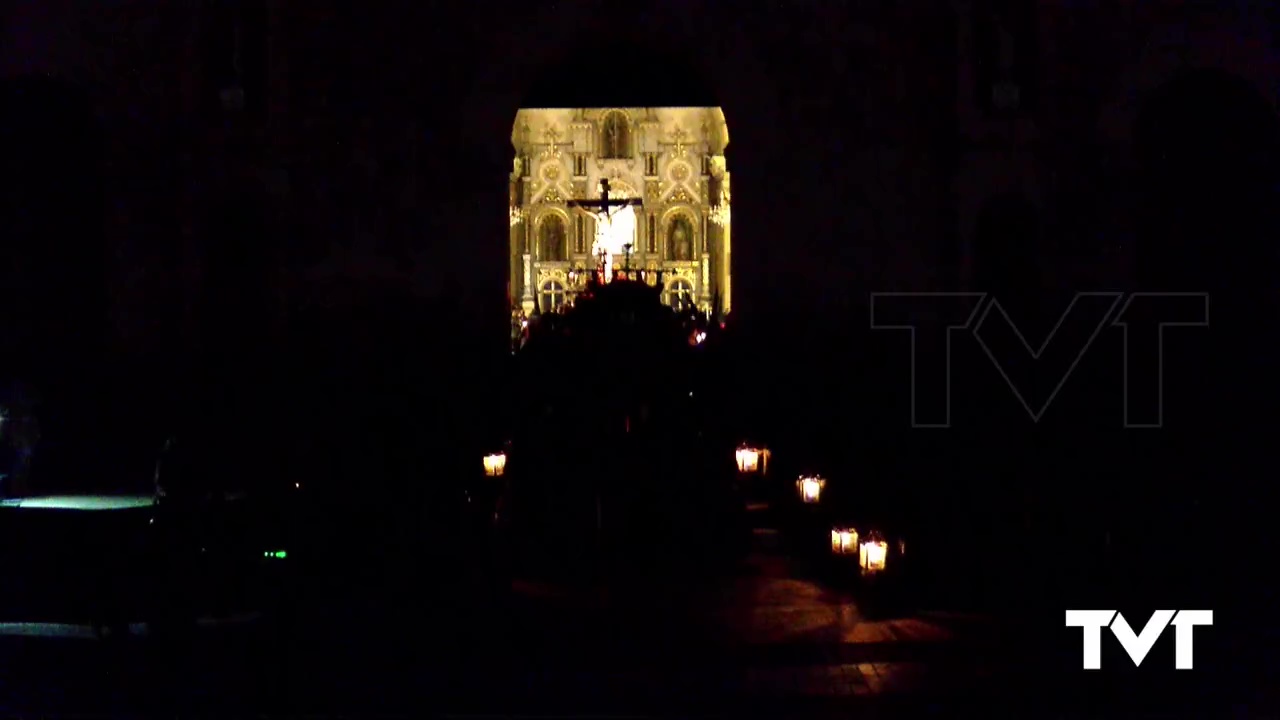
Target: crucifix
(605,202)
(605,210)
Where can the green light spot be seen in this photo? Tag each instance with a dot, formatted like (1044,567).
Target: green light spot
(277,555)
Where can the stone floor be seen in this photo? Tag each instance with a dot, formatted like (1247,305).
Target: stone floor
(768,642)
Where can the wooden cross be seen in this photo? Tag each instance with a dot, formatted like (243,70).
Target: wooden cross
(604,204)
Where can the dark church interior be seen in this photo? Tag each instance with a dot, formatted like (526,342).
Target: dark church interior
(971,414)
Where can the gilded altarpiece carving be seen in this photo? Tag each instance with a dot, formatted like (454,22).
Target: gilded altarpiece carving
(672,158)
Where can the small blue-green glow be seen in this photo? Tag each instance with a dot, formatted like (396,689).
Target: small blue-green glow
(275,554)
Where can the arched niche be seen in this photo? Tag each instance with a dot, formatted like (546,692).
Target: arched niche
(616,138)
(680,235)
(552,235)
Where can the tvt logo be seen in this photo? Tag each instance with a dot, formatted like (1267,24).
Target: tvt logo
(1138,644)
(933,318)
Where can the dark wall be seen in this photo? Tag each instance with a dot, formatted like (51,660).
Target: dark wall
(1209,151)
(53,286)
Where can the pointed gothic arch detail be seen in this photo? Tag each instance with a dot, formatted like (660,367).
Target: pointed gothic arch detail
(680,235)
(553,234)
(615,136)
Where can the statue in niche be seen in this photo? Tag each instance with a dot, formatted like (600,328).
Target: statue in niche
(615,137)
(680,239)
(552,238)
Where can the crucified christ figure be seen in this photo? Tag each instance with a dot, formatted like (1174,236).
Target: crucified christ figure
(615,226)
(615,231)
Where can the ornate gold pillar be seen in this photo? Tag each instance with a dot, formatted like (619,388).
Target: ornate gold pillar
(514,255)
(724,255)
(726,292)
(704,284)
(526,298)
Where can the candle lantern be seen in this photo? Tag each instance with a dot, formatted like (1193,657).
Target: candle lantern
(872,553)
(752,459)
(810,488)
(844,541)
(495,464)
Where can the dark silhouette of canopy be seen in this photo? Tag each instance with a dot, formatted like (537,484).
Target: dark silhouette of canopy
(599,72)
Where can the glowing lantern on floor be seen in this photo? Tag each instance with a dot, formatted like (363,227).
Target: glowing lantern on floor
(810,489)
(752,460)
(495,464)
(844,541)
(872,553)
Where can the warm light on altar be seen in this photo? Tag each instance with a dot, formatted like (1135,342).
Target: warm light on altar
(872,553)
(495,464)
(604,176)
(615,234)
(844,541)
(752,460)
(810,489)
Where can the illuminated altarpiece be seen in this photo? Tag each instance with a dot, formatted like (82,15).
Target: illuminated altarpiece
(670,158)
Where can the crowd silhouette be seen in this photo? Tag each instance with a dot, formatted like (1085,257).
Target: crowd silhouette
(618,458)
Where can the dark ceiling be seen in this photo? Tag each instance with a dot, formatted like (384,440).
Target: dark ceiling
(617,61)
